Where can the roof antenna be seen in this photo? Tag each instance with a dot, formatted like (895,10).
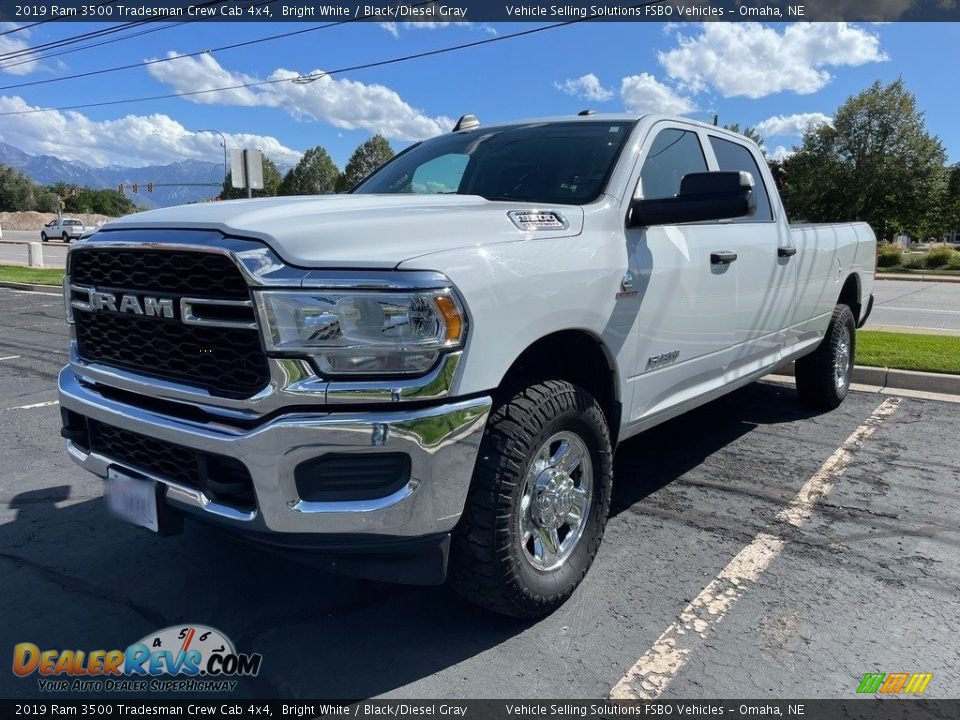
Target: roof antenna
(716,119)
(466,122)
(584,113)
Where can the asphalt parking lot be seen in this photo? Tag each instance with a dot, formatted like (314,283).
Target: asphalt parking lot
(870,582)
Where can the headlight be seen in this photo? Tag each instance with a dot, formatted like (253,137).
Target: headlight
(371,333)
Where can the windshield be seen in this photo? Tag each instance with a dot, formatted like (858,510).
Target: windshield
(558,162)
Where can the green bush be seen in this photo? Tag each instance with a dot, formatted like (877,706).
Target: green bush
(937,256)
(889,255)
(913,262)
(954,262)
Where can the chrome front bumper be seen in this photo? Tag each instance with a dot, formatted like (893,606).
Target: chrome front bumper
(441,440)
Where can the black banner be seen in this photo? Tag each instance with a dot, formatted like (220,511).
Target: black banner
(865,709)
(434,11)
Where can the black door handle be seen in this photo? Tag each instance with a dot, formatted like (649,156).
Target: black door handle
(722,257)
(786,252)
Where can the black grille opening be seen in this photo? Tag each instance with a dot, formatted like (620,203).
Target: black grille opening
(227,362)
(221,478)
(340,477)
(224,361)
(171,272)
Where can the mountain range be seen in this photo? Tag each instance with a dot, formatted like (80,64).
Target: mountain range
(47,170)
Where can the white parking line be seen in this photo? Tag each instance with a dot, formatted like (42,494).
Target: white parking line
(653,672)
(35,405)
(9,357)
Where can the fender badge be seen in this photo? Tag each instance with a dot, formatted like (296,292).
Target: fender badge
(538,219)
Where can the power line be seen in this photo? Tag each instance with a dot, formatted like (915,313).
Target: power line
(195,53)
(303,79)
(73,39)
(44,56)
(43,22)
(233,46)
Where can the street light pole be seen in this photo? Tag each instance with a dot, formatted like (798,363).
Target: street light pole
(224,138)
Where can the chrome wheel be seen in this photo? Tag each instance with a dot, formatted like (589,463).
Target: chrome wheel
(555,505)
(841,360)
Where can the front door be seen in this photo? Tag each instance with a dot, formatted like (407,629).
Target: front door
(687,301)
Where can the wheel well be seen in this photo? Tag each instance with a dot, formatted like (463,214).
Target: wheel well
(575,356)
(850,295)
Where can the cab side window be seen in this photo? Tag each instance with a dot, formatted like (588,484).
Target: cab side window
(674,153)
(735,157)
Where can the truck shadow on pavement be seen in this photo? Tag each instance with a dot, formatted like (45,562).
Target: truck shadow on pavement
(74,577)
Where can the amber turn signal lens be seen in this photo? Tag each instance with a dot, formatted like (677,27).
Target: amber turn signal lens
(451,317)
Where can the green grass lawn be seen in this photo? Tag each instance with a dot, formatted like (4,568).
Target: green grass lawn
(909,351)
(37,276)
(918,271)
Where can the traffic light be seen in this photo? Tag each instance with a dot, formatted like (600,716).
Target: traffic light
(136,188)
(149,187)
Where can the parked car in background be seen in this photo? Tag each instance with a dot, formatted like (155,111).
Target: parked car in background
(66,229)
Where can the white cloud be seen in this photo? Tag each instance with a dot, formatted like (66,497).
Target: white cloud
(781,153)
(394,27)
(15,43)
(643,93)
(797,124)
(751,60)
(345,104)
(131,140)
(586,86)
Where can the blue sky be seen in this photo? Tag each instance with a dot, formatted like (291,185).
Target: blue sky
(779,77)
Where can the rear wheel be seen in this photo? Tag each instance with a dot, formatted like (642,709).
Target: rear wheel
(823,377)
(66,238)
(538,502)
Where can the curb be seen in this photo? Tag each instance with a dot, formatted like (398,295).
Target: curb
(897,379)
(29,287)
(918,277)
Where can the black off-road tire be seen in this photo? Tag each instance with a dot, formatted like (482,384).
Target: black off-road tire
(487,564)
(816,373)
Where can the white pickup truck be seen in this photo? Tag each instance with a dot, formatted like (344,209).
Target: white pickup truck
(66,229)
(427,378)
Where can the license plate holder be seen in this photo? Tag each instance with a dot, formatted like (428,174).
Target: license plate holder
(134,499)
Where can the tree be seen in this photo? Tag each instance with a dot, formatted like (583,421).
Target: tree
(85,200)
(875,162)
(17,191)
(315,174)
(271,183)
(749,133)
(365,159)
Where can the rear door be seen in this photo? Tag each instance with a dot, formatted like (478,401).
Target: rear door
(686,304)
(766,269)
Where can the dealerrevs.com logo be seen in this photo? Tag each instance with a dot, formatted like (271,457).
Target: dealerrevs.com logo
(181,658)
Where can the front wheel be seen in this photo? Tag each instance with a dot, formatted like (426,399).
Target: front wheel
(538,502)
(43,237)
(823,377)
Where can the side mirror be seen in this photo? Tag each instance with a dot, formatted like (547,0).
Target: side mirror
(703,196)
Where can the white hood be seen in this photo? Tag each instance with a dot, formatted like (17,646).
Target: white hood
(356,231)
